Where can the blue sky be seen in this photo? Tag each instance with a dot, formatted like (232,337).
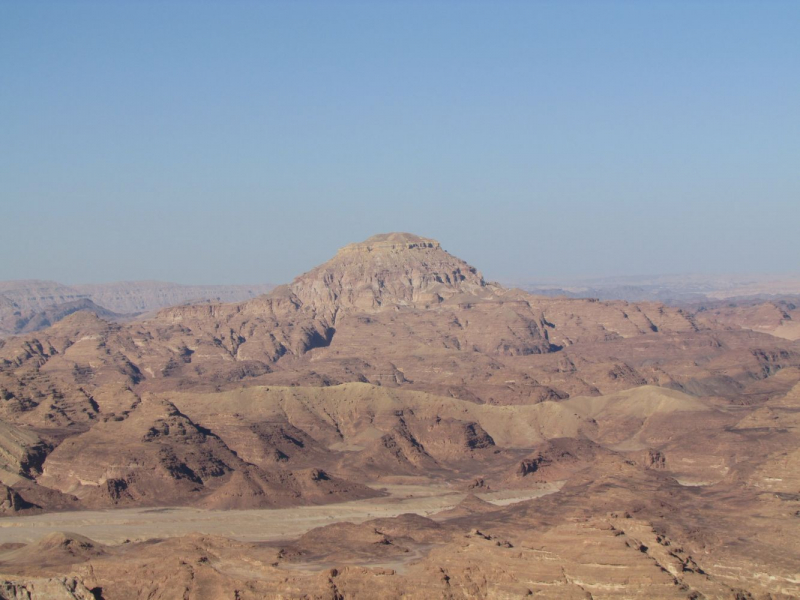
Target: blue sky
(239,142)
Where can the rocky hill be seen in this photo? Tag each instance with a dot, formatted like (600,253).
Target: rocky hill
(389,270)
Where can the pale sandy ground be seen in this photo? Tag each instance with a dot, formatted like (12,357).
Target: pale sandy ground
(136,524)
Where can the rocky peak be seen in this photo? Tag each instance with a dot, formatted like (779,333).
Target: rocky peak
(390,269)
(391,242)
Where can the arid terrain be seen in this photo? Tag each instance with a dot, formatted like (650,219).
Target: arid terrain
(390,424)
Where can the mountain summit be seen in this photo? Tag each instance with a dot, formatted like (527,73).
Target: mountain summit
(392,241)
(389,269)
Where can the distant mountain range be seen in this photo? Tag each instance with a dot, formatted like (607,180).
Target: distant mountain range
(670,289)
(30,305)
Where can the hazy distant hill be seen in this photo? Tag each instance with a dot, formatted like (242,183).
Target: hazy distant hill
(144,296)
(29,305)
(53,314)
(672,289)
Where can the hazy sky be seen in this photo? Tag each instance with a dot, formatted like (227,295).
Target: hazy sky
(233,142)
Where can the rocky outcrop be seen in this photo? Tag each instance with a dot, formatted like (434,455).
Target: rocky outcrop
(22,452)
(40,588)
(655,459)
(11,502)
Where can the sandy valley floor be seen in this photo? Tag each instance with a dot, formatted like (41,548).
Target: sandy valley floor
(138,524)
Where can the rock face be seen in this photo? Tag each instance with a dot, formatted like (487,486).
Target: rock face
(11,502)
(21,452)
(46,589)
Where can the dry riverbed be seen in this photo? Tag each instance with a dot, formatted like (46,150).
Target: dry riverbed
(137,524)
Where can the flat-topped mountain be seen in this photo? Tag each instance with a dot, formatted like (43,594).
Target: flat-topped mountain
(392,241)
(391,269)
